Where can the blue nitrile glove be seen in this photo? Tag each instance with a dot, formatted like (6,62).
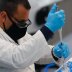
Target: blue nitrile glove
(55,19)
(61,50)
(69,64)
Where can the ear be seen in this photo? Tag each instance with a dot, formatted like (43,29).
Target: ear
(3,15)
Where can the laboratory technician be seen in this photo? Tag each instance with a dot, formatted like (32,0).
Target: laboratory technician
(18,49)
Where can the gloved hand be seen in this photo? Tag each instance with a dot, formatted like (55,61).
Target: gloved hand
(55,19)
(61,50)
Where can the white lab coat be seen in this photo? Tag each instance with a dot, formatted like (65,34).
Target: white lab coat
(19,58)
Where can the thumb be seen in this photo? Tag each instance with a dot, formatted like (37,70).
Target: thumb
(53,9)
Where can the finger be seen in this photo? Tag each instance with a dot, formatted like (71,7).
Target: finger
(61,13)
(53,9)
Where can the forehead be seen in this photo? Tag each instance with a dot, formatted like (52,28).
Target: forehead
(21,8)
(21,12)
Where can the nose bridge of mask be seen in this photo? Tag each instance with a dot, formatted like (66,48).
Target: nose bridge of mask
(23,23)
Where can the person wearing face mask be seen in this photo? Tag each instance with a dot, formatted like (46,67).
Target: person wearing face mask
(18,49)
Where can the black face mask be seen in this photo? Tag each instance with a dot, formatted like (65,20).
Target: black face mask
(17,30)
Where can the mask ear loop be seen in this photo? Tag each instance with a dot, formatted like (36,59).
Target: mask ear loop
(4,25)
(10,18)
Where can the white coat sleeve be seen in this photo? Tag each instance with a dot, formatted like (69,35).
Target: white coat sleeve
(46,59)
(21,56)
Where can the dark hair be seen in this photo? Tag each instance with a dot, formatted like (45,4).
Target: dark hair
(10,5)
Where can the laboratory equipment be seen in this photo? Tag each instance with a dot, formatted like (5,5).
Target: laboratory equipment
(68,66)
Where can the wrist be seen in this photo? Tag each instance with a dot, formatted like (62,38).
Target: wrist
(46,32)
(56,54)
(48,25)
(55,58)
